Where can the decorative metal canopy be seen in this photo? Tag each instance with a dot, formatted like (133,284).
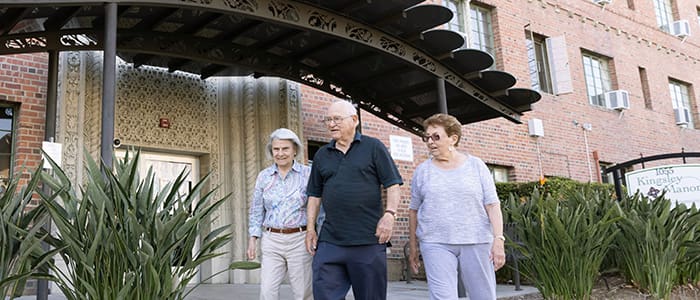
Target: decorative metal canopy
(384,55)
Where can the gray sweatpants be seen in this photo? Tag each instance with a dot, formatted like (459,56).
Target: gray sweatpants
(441,263)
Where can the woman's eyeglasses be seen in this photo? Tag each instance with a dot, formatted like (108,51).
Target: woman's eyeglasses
(434,136)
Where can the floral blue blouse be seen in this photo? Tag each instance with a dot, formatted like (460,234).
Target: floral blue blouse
(279,202)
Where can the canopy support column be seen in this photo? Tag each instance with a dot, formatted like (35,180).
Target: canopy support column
(42,285)
(442,96)
(109,83)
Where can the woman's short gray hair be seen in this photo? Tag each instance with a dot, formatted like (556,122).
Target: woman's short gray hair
(285,134)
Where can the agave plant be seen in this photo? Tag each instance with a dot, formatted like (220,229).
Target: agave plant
(565,240)
(689,265)
(122,238)
(652,242)
(21,254)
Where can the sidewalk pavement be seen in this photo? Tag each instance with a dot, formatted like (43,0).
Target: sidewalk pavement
(397,290)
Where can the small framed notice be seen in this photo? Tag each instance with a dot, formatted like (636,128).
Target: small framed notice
(52,150)
(401,147)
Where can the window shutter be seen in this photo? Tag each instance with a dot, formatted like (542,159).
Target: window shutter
(559,65)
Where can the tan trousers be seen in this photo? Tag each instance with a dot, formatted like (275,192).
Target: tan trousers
(282,255)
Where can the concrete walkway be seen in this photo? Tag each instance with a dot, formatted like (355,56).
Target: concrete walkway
(397,290)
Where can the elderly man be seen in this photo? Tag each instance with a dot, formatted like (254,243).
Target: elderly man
(347,175)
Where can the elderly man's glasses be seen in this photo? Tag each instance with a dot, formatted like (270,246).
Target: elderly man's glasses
(334,119)
(434,136)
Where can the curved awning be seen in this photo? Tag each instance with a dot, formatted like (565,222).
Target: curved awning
(385,55)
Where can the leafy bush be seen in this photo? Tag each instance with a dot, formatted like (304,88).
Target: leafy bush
(689,264)
(557,187)
(122,238)
(565,240)
(652,240)
(21,254)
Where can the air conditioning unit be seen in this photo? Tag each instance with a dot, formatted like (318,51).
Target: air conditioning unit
(680,28)
(602,2)
(617,99)
(682,116)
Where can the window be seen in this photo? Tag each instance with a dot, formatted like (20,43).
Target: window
(698,10)
(597,75)
(481,32)
(458,9)
(606,177)
(630,4)
(499,173)
(610,177)
(6,147)
(474,22)
(538,62)
(645,87)
(680,98)
(664,14)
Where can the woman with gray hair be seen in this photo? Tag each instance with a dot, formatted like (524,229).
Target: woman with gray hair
(277,216)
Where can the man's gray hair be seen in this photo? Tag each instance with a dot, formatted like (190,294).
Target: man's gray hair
(285,134)
(348,107)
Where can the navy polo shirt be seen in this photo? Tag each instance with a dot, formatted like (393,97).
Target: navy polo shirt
(350,187)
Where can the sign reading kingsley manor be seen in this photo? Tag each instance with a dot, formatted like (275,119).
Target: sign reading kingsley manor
(680,182)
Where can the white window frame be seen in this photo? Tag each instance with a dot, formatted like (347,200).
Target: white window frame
(538,63)
(597,76)
(664,14)
(8,135)
(481,29)
(499,173)
(459,10)
(680,99)
(474,22)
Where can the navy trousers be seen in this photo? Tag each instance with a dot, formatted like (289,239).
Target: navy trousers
(337,268)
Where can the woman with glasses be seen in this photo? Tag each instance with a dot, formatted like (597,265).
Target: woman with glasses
(455,214)
(278,217)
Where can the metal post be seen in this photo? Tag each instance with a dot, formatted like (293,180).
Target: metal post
(109,82)
(42,285)
(442,96)
(617,175)
(683,155)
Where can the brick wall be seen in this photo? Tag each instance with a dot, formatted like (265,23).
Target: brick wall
(23,85)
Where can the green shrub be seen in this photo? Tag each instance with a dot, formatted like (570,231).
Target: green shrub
(564,240)
(652,242)
(557,187)
(691,262)
(21,254)
(121,238)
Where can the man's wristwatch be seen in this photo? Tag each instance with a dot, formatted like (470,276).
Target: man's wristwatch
(391,212)
(501,237)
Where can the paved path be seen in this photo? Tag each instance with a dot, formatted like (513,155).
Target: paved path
(397,290)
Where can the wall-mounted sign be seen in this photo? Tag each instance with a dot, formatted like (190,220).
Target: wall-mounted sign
(53,150)
(401,147)
(680,182)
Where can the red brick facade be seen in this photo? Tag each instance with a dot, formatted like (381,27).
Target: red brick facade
(23,86)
